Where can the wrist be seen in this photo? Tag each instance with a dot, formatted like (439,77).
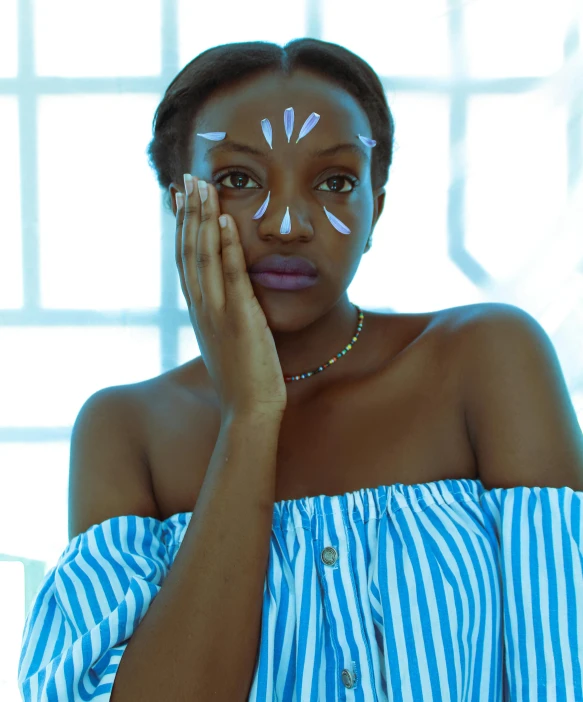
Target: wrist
(252,417)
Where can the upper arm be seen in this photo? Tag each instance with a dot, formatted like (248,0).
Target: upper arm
(521,420)
(108,474)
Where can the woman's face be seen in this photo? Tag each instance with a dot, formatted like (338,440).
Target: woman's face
(296,178)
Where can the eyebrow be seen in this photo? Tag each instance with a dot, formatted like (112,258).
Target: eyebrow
(317,153)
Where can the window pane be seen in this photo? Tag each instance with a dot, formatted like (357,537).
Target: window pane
(12,608)
(8,39)
(99,202)
(516,178)
(10,203)
(47,389)
(507,38)
(204,25)
(394,37)
(34,520)
(187,345)
(105,38)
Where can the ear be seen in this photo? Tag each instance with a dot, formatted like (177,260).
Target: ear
(379,204)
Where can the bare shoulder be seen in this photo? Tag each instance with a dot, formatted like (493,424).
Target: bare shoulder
(108,475)
(453,324)
(454,319)
(460,324)
(443,329)
(453,327)
(440,338)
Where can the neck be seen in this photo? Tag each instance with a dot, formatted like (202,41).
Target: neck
(309,348)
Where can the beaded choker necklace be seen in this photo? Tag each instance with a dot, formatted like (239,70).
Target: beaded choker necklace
(345,350)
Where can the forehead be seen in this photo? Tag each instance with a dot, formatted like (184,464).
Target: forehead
(240,108)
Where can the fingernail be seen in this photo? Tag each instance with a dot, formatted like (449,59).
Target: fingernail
(188,184)
(203,190)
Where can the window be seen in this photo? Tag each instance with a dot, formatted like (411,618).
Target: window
(483,204)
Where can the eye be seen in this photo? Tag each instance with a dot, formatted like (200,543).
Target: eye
(220,177)
(339,176)
(229,174)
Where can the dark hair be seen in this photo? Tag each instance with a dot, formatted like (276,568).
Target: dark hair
(170,151)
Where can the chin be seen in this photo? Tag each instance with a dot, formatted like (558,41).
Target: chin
(287,316)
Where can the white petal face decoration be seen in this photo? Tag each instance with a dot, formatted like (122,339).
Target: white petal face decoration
(288,122)
(336,223)
(367,141)
(286,223)
(267,131)
(261,211)
(213,136)
(309,124)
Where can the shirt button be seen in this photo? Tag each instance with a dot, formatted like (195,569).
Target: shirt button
(348,678)
(329,556)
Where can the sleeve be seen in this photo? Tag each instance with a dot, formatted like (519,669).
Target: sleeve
(87,607)
(540,537)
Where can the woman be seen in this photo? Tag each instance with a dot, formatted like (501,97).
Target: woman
(327,504)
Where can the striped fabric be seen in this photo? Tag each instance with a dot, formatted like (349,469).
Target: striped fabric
(437,591)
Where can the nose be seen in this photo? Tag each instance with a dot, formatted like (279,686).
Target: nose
(287,220)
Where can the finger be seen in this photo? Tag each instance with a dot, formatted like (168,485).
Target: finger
(178,246)
(238,287)
(208,252)
(188,245)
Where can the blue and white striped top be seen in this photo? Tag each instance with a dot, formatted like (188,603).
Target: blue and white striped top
(437,591)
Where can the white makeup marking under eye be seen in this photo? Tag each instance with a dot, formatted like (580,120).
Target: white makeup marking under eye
(261,211)
(288,121)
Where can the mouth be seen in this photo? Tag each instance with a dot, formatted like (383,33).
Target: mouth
(287,265)
(283,281)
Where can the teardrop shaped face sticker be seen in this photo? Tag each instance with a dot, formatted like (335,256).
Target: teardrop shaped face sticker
(367,141)
(267,131)
(261,211)
(213,136)
(309,124)
(288,122)
(336,223)
(286,223)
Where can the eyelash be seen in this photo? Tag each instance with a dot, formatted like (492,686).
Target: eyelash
(231,171)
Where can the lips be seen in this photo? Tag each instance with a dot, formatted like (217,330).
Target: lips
(290,265)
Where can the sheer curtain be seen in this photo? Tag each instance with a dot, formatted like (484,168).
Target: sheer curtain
(484,203)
